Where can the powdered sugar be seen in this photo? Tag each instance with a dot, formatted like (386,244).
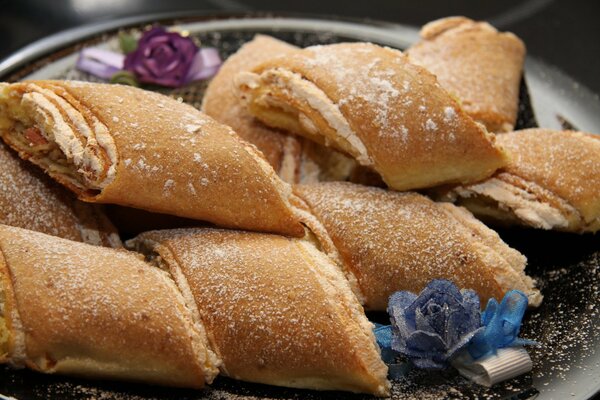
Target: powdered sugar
(29,199)
(430,125)
(394,239)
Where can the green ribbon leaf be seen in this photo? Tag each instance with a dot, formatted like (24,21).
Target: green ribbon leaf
(124,78)
(127,42)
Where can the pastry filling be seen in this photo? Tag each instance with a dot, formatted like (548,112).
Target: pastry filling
(507,203)
(66,141)
(287,100)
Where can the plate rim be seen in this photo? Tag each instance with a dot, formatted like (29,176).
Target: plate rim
(56,41)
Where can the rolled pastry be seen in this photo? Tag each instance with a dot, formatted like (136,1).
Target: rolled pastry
(479,65)
(221,103)
(72,308)
(29,199)
(391,241)
(295,159)
(276,310)
(371,103)
(122,145)
(552,181)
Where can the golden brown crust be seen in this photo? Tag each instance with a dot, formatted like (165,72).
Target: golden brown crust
(371,103)
(29,199)
(552,181)
(152,152)
(479,65)
(401,241)
(11,334)
(277,310)
(98,312)
(221,103)
(294,158)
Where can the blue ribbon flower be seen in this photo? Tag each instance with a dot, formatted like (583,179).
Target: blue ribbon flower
(502,323)
(430,328)
(396,370)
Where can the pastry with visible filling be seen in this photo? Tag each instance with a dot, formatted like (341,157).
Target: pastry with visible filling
(479,65)
(122,145)
(387,241)
(371,103)
(276,310)
(294,158)
(31,200)
(76,309)
(552,181)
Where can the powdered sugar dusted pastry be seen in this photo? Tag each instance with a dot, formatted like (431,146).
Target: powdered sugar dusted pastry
(118,144)
(276,310)
(551,182)
(221,103)
(71,308)
(372,104)
(29,199)
(295,159)
(401,241)
(476,63)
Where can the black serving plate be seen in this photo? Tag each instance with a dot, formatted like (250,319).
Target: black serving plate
(566,266)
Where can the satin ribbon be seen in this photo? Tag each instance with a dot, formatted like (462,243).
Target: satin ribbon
(507,363)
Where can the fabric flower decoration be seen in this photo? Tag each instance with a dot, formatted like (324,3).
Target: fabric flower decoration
(159,57)
(502,323)
(431,327)
(383,335)
(162,57)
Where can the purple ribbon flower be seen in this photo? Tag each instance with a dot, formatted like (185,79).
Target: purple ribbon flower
(163,58)
(430,328)
(160,57)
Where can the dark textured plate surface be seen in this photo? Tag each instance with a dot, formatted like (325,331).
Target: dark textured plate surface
(567,267)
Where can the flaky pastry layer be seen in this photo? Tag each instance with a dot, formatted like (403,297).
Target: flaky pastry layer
(552,181)
(122,145)
(277,310)
(371,103)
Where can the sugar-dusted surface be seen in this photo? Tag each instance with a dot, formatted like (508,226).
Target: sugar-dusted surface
(396,109)
(552,181)
(289,155)
(221,102)
(275,309)
(479,65)
(174,159)
(567,163)
(401,241)
(565,325)
(99,312)
(548,252)
(29,199)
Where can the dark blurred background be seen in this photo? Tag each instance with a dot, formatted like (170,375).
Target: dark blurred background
(564,33)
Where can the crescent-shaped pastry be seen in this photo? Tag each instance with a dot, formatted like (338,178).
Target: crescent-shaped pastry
(71,308)
(295,159)
(551,182)
(393,241)
(276,310)
(29,199)
(371,103)
(479,65)
(122,145)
